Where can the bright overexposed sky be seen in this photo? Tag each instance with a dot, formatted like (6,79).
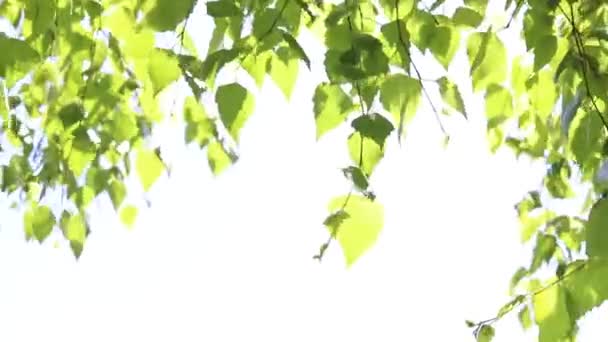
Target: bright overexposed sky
(230,258)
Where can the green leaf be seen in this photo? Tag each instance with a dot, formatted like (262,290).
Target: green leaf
(551,314)
(464,16)
(544,51)
(17,59)
(357,177)
(128,215)
(543,251)
(485,333)
(331,107)
(364,152)
(218,158)
(360,230)
(263,22)
(284,70)
(235,105)
(39,15)
(597,232)
(392,7)
(222,8)
(586,136)
(451,95)
(586,286)
(256,66)
(524,318)
(74,229)
(81,152)
(199,127)
(397,37)
(478,5)
(499,104)
(569,109)
(516,279)
(163,69)
(421,28)
(39,222)
(117,192)
(165,15)
(215,62)
(296,48)
(488,59)
(124,126)
(400,96)
(373,126)
(444,44)
(71,114)
(149,167)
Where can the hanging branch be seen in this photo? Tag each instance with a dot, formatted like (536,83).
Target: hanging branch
(364,111)
(418,75)
(581,51)
(518,300)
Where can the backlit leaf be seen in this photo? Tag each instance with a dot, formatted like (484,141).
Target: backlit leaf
(551,313)
(39,222)
(400,96)
(163,70)
(364,152)
(488,59)
(331,106)
(149,167)
(235,105)
(451,95)
(128,215)
(165,15)
(218,158)
(359,231)
(597,232)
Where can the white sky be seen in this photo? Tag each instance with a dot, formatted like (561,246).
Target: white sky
(230,259)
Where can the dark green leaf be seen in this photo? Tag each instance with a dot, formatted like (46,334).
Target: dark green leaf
(222,8)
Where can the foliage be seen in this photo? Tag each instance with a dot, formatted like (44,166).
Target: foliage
(81,82)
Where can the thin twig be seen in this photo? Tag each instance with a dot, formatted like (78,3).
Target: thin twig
(515,11)
(418,75)
(581,50)
(364,111)
(531,294)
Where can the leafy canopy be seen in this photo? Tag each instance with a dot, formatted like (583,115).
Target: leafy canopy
(81,82)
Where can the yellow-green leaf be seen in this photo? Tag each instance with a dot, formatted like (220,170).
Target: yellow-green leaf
(39,222)
(400,96)
(444,44)
(218,158)
(551,314)
(487,58)
(451,95)
(149,167)
(361,228)
(597,231)
(128,215)
(284,70)
(331,107)
(163,69)
(364,152)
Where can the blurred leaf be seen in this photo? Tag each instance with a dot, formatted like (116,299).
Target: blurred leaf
(149,167)
(331,106)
